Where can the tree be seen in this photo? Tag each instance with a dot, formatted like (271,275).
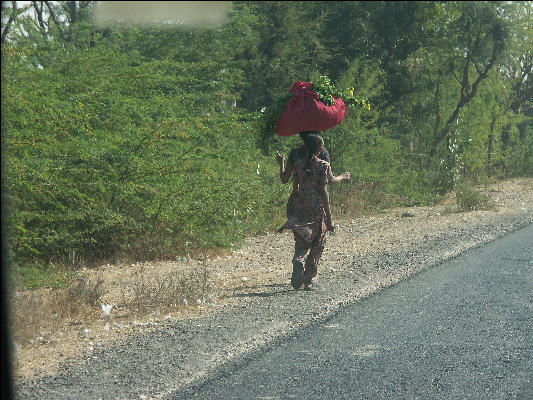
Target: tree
(12,14)
(290,49)
(517,67)
(480,34)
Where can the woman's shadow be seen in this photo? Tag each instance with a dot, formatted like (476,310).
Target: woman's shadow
(268,293)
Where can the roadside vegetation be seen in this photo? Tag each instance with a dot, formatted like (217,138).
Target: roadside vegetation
(139,143)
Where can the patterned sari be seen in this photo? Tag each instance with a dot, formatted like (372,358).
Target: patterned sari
(308,220)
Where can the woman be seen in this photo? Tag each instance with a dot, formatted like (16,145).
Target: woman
(312,215)
(298,153)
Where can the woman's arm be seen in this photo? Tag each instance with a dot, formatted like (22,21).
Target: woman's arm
(336,179)
(325,204)
(284,174)
(295,186)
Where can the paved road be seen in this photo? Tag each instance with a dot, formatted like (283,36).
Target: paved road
(461,330)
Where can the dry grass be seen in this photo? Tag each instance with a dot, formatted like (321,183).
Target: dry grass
(364,198)
(472,198)
(168,290)
(33,312)
(48,322)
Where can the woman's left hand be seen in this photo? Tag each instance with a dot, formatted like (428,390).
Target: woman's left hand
(280,158)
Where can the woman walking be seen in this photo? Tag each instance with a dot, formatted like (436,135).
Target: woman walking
(312,215)
(298,153)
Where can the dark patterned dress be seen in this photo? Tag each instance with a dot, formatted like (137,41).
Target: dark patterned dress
(293,156)
(308,220)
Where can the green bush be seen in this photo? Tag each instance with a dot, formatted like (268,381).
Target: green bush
(136,161)
(470,199)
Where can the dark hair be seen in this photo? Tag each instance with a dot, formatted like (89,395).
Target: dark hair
(312,142)
(303,134)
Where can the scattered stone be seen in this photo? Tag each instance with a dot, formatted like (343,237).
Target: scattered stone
(408,214)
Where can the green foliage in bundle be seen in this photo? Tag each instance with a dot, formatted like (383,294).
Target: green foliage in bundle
(326,91)
(266,123)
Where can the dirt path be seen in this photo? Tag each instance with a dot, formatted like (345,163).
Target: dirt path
(250,303)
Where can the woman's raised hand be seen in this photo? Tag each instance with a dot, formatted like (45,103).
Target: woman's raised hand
(280,158)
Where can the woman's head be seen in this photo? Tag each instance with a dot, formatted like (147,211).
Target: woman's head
(313,144)
(303,134)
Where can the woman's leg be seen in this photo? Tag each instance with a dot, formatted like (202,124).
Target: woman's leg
(312,260)
(301,248)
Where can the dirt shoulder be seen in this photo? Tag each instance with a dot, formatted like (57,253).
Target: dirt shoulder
(247,302)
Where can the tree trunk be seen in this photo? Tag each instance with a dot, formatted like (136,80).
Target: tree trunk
(39,14)
(490,170)
(522,129)
(506,136)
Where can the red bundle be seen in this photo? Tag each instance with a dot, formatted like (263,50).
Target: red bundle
(305,112)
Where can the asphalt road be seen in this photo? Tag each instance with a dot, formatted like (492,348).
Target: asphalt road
(460,330)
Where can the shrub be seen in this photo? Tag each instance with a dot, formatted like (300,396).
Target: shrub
(470,199)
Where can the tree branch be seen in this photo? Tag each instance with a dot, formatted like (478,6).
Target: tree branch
(437,109)
(71,8)
(39,13)
(12,16)
(465,84)
(477,66)
(64,7)
(456,78)
(466,96)
(54,17)
(482,76)
(84,4)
